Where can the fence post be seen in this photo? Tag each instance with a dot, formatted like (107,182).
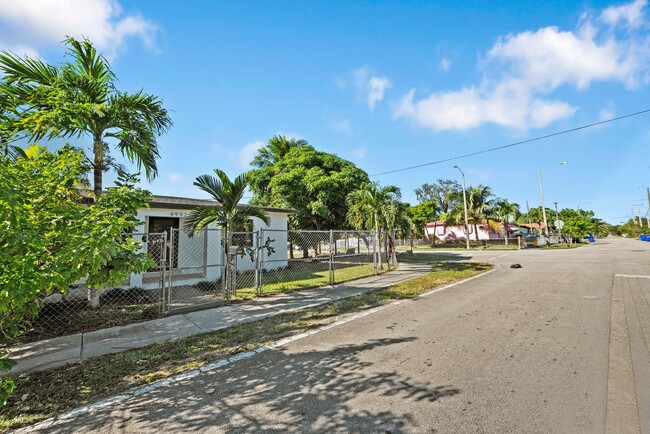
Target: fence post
(163,280)
(331,267)
(258,262)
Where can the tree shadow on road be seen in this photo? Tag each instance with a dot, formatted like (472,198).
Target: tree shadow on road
(310,391)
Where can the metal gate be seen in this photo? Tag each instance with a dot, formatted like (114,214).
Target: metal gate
(194,270)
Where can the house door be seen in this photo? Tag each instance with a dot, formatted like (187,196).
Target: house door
(159,225)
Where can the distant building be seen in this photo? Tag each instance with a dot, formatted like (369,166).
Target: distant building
(439,231)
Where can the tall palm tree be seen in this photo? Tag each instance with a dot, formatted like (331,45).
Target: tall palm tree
(366,206)
(278,146)
(79,98)
(227,213)
(479,209)
(503,210)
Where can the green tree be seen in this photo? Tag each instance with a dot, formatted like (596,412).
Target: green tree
(79,98)
(534,215)
(278,146)
(503,211)
(266,160)
(50,238)
(444,193)
(422,214)
(479,209)
(313,183)
(368,206)
(229,215)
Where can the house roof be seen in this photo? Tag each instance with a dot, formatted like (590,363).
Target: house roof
(530,225)
(174,202)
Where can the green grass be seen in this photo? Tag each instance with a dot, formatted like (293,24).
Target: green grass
(301,276)
(56,390)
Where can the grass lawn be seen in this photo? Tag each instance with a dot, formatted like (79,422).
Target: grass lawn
(48,393)
(301,275)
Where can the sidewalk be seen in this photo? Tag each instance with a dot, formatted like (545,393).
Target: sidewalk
(61,351)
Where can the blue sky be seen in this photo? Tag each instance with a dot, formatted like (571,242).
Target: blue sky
(386,85)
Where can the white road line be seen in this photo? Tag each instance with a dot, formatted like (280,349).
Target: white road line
(632,276)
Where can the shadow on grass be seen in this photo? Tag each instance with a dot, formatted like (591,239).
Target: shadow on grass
(328,390)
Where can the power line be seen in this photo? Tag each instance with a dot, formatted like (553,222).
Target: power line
(582,127)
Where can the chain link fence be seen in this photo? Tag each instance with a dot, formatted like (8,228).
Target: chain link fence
(193,272)
(82,309)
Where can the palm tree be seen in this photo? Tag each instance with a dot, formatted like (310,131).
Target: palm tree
(79,98)
(503,210)
(479,209)
(366,207)
(278,146)
(395,217)
(227,213)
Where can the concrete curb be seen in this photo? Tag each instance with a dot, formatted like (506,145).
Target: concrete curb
(338,321)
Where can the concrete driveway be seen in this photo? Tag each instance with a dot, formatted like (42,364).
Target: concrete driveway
(560,345)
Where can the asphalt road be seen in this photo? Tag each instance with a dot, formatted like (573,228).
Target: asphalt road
(558,346)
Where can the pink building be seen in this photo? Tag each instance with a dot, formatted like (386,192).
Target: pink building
(439,232)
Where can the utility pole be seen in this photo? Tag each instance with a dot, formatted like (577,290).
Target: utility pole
(638,208)
(559,225)
(465,209)
(541,193)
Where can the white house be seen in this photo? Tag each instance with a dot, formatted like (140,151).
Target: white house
(200,257)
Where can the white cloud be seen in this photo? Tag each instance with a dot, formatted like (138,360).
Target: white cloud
(445,64)
(522,70)
(27,26)
(245,155)
(607,113)
(631,14)
(371,88)
(175,176)
(360,153)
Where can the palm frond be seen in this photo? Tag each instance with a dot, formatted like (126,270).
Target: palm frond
(200,218)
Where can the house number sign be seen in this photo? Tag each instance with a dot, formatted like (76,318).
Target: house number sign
(179,214)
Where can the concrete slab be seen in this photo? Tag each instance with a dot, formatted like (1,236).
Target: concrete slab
(46,354)
(116,339)
(213,320)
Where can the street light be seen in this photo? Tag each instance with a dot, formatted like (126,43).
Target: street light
(464,209)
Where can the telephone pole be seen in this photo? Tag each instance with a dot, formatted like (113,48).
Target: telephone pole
(541,193)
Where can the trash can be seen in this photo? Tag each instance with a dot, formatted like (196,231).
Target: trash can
(591,239)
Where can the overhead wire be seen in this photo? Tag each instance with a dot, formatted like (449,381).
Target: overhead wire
(522,142)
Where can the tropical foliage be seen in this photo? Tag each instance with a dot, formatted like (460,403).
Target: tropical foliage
(227,213)
(480,202)
(50,238)
(313,183)
(444,193)
(79,98)
(375,207)
(503,211)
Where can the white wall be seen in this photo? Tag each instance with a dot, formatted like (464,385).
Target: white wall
(202,254)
